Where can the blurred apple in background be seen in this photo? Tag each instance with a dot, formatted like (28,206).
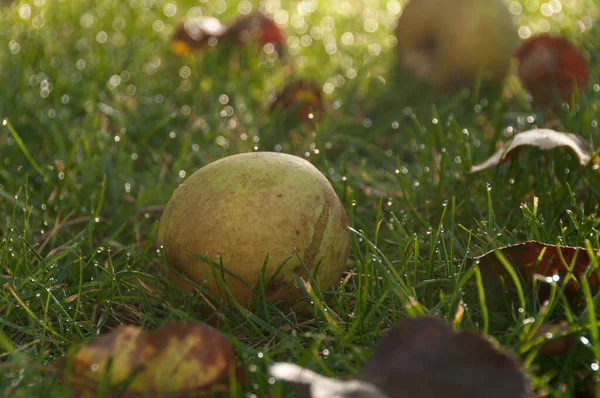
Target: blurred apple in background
(551,69)
(256,26)
(449,42)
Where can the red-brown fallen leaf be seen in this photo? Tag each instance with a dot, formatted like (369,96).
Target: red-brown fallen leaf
(560,339)
(524,258)
(550,67)
(544,139)
(302,97)
(179,359)
(422,358)
(194,34)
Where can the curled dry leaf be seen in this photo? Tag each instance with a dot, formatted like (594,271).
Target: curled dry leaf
(302,97)
(524,257)
(195,34)
(179,359)
(422,358)
(311,384)
(544,139)
(551,68)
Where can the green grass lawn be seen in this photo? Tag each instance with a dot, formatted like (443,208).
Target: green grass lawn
(108,121)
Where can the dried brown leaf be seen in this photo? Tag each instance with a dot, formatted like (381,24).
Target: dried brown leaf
(424,357)
(552,260)
(544,139)
(421,358)
(180,358)
(302,97)
(194,34)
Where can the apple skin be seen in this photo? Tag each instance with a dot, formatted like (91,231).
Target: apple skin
(551,68)
(240,209)
(257,25)
(448,42)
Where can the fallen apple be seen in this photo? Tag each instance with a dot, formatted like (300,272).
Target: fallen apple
(552,69)
(245,209)
(257,25)
(449,42)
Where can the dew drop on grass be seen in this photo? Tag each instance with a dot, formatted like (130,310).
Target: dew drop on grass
(584,341)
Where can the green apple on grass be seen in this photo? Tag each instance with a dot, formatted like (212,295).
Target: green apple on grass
(245,208)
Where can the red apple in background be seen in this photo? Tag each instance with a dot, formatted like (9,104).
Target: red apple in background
(551,68)
(259,27)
